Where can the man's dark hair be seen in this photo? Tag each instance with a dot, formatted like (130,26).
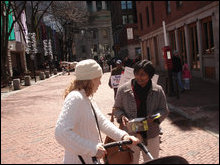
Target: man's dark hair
(147,66)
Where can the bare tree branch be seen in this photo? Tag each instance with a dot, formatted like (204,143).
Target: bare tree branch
(43,13)
(16,17)
(70,11)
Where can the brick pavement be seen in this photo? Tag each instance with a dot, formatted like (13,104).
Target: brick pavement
(28,121)
(200,103)
(29,117)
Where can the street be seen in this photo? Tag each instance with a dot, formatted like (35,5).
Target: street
(28,120)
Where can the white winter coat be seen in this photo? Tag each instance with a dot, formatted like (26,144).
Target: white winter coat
(76,128)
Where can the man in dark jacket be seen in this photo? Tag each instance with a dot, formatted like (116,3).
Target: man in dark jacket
(177,70)
(118,70)
(128,62)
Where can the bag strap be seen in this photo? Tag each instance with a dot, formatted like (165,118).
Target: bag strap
(97,123)
(112,116)
(81,159)
(96,119)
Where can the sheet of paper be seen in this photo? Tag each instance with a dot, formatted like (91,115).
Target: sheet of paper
(128,74)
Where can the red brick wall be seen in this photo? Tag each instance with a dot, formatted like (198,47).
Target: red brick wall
(116,14)
(160,12)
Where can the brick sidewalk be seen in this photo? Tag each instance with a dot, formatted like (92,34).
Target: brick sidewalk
(29,117)
(200,103)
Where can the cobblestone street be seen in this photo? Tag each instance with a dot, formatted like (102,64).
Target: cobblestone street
(28,119)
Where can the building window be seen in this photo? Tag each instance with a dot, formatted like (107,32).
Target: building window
(95,48)
(124,19)
(130,19)
(147,16)
(141,23)
(94,34)
(89,6)
(207,35)
(168,9)
(129,4)
(126,5)
(137,52)
(152,12)
(179,4)
(99,5)
(123,4)
(104,33)
(108,3)
(194,53)
(83,47)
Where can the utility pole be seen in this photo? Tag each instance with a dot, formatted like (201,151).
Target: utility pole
(168,62)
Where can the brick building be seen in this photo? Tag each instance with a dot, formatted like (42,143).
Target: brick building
(192,29)
(124,29)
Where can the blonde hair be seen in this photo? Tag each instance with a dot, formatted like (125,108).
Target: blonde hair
(87,85)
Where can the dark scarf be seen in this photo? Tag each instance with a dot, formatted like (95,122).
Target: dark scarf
(141,97)
(141,94)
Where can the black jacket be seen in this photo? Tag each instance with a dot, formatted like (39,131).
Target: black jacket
(177,65)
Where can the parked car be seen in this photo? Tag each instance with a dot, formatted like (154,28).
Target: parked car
(67,64)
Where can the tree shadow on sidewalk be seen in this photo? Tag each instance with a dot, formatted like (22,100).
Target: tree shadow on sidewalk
(209,122)
(180,121)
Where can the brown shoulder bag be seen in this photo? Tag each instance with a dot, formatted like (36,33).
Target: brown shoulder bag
(114,155)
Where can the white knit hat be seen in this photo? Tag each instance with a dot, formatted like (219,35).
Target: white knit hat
(88,70)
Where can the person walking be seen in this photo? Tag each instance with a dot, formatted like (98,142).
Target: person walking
(177,72)
(127,62)
(186,76)
(78,125)
(118,70)
(140,97)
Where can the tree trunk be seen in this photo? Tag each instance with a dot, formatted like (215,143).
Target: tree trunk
(4,53)
(4,66)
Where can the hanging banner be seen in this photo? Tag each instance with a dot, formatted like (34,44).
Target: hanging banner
(48,48)
(31,46)
(130,33)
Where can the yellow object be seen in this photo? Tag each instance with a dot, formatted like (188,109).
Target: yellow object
(145,125)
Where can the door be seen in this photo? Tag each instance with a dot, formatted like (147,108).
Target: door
(182,45)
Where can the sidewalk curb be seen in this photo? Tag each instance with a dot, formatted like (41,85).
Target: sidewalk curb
(172,108)
(4,95)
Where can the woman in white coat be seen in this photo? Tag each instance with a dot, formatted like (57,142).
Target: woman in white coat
(76,129)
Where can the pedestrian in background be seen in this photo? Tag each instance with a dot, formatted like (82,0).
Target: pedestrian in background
(63,70)
(141,97)
(177,72)
(80,120)
(186,76)
(127,62)
(68,69)
(118,70)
